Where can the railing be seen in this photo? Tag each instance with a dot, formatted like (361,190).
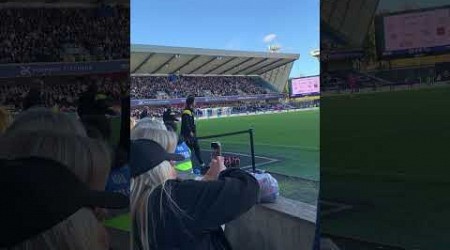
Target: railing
(218,99)
(63,68)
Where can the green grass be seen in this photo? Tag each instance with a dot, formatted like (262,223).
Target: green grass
(387,154)
(115,128)
(121,222)
(292,137)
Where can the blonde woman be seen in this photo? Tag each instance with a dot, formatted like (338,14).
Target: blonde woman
(172,214)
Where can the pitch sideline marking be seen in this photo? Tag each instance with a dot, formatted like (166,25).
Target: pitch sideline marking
(339,207)
(273,145)
(269,160)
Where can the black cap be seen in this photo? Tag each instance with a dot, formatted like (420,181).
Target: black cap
(40,193)
(147,154)
(171,117)
(190,100)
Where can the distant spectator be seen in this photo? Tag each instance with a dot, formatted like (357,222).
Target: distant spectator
(40,34)
(58,91)
(153,87)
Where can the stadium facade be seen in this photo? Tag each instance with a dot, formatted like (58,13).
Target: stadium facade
(163,60)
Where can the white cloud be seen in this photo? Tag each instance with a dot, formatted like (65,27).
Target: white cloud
(269,38)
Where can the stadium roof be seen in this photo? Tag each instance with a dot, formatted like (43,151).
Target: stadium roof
(338,17)
(149,59)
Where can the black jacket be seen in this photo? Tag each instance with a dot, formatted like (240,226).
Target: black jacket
(188,123)
(207,205)
(88,104)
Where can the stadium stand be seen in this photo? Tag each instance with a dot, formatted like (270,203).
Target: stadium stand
(45,34)
(220,78)
(147,87)
(59,91)
(54,56)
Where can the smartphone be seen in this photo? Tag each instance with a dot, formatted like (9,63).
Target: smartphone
(216,148)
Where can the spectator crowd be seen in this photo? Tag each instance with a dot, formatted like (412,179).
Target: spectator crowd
(152,87)
(62,92)
(64,34)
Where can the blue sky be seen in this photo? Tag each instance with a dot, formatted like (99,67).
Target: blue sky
(231,24)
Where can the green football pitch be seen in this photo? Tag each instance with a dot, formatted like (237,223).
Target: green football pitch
(387,159)
(292,139)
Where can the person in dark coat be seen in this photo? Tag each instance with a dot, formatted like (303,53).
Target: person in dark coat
(189,129)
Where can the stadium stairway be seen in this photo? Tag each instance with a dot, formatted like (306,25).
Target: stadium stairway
(265,84)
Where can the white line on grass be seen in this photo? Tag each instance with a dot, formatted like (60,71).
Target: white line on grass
(339,207)
(271,145)
(269,160)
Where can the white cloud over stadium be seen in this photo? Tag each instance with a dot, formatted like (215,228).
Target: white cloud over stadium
(270,38)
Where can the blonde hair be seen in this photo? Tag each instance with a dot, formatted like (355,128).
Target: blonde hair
(5,119)
(143,185)
(155,130)
(87,158)
(80,231)
(36,119)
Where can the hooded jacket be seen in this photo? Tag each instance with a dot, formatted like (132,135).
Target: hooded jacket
(205,205)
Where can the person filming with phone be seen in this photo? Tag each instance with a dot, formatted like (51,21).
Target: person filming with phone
(169,213)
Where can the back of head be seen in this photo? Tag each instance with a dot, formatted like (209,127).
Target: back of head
(92,88)
(90,160)
(37,119)
(190,101)
(155,130)
(33,98)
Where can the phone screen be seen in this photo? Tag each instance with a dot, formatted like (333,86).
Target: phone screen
(216,149)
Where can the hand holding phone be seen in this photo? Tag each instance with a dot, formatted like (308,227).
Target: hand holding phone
(215,167)
(217,150)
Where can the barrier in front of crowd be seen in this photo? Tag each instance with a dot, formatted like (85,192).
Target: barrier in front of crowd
(256,113)
(63,68)
(199,100)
